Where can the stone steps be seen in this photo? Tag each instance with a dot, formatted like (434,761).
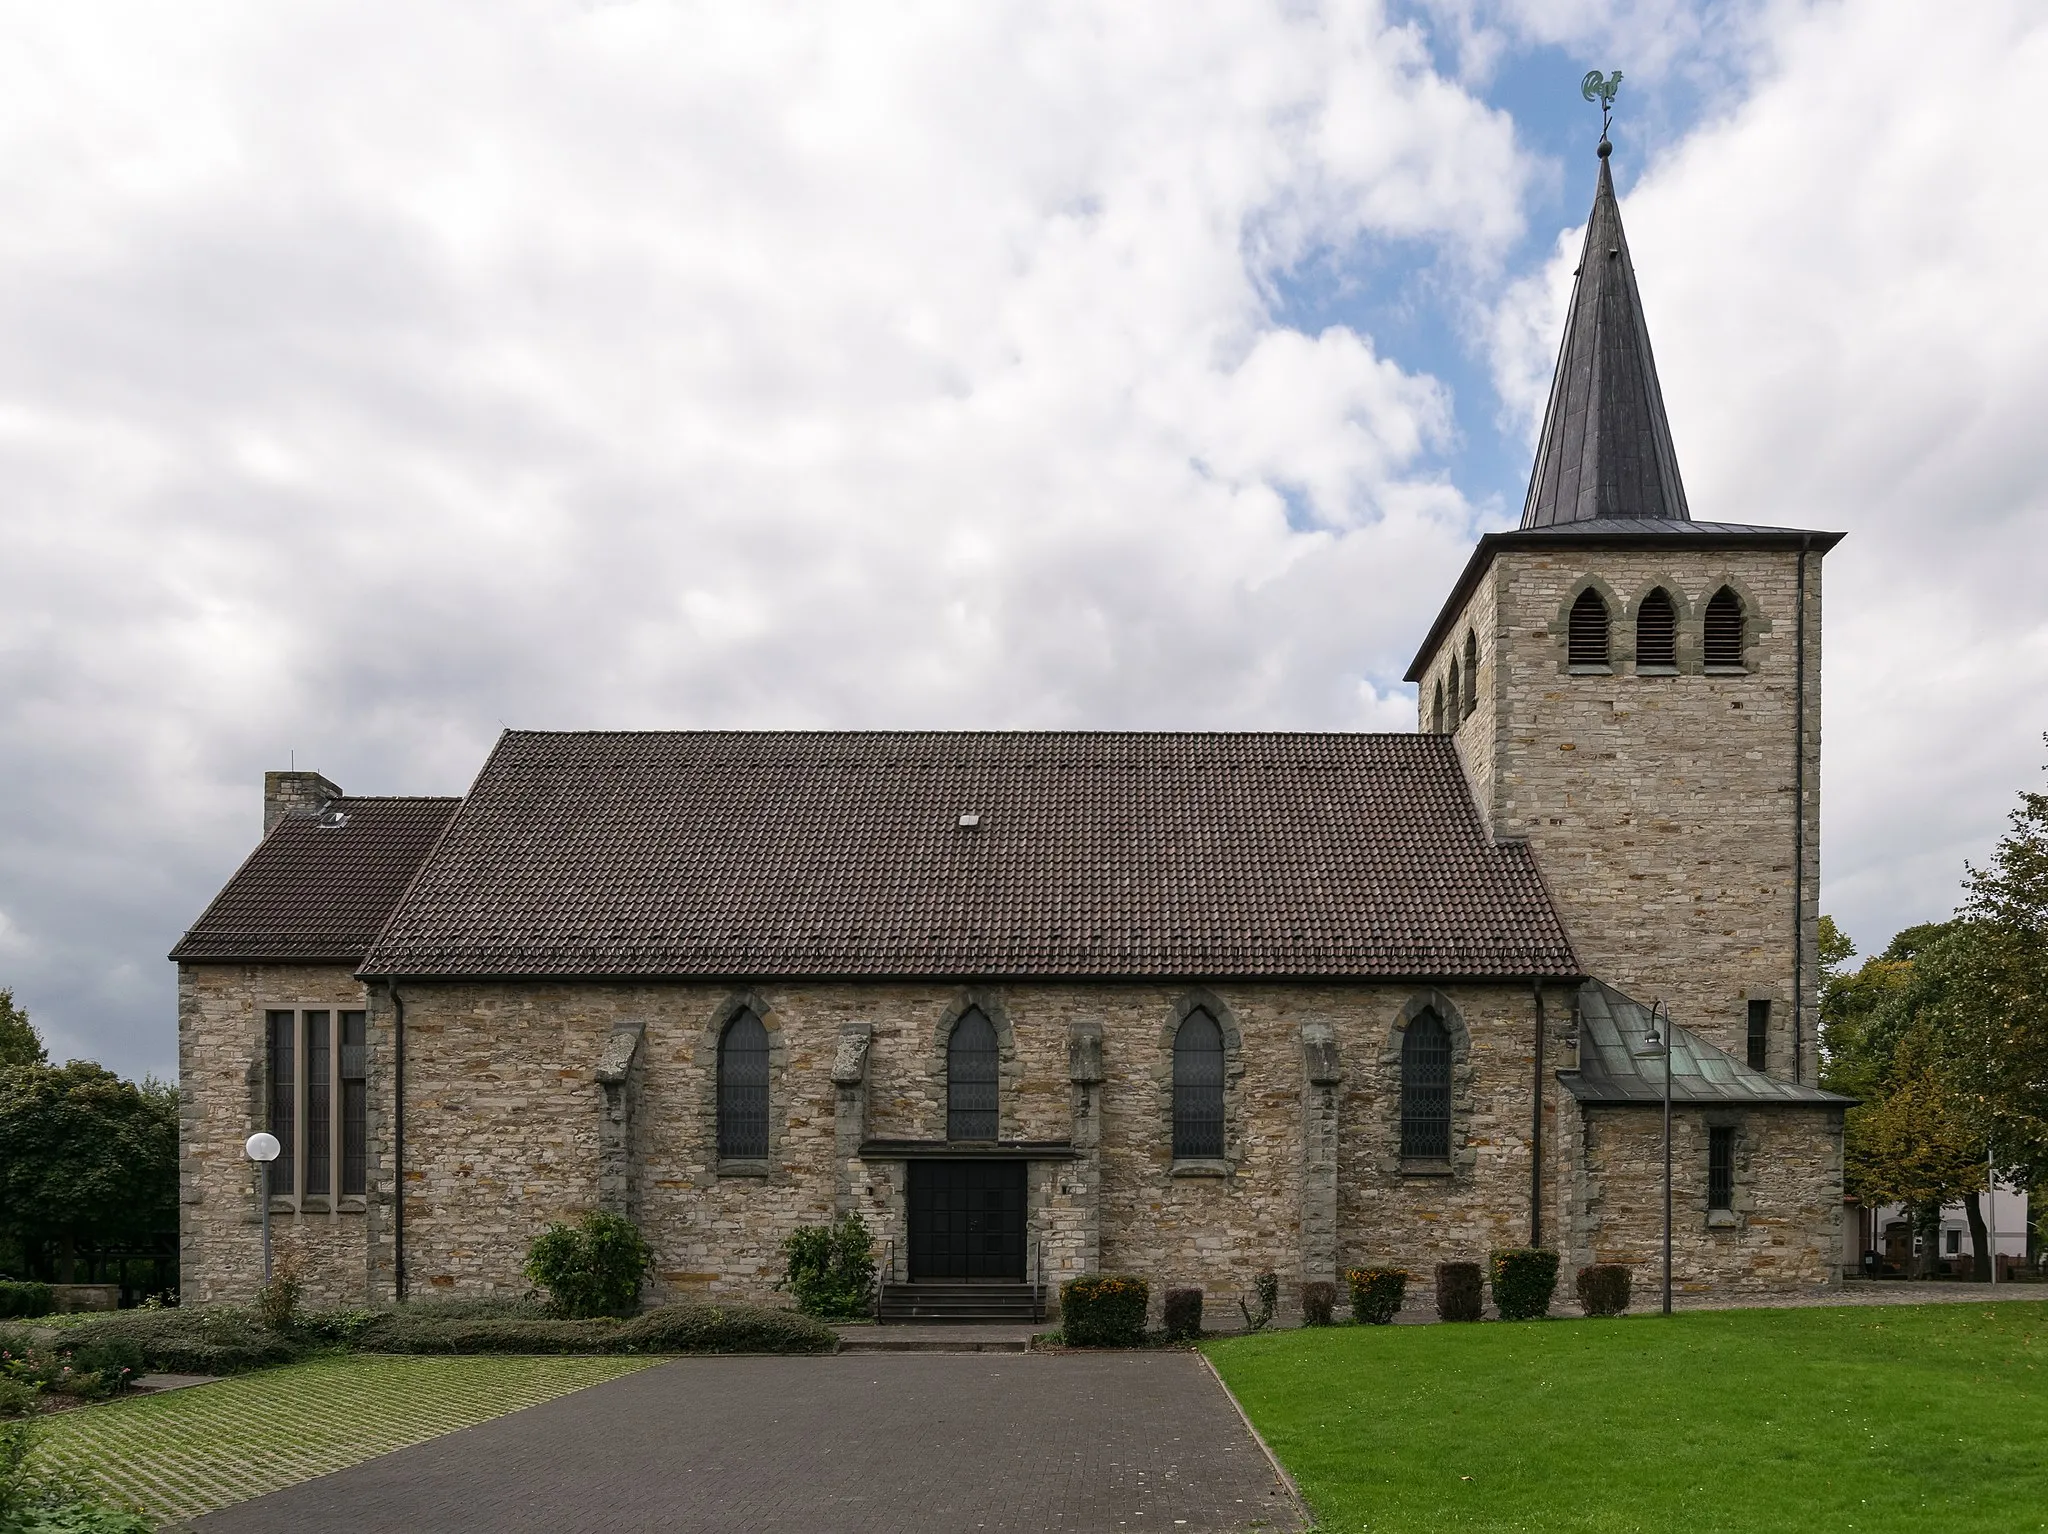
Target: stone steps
(960,1304)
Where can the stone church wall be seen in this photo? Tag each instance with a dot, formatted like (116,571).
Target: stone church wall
(1660,807)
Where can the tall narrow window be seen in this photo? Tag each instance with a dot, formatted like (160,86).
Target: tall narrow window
(319,1105)
(355,1103)
(283,1028)
(1471,671)
(1724,632)
(1720,1168)
(973,1067)
(1436,720)
(1452,713)
(1759,1035)
(1198,1087)
(743,1089)
(1657,633)
(1586,644)
(1426,1089)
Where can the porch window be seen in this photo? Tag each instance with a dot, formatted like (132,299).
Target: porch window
(323,1144)
(1720,1169)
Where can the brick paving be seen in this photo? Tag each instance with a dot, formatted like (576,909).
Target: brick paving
(927,1442)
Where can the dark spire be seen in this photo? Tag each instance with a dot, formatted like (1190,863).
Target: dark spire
(1606,445)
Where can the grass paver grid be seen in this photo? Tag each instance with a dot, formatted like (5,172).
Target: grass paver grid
(190,1451)
(1751,1420)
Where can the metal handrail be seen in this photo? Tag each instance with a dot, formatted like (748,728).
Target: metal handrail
(886,1276)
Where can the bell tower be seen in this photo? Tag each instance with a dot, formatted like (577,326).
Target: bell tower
(1637,695)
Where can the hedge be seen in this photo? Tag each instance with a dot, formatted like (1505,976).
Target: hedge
(1524,1279)
(1103,1310)
(672,1329)
(1376,1294)
(1318,1302)
(212,1340)
(1460,1291)
(21,1298)
(1603,1289)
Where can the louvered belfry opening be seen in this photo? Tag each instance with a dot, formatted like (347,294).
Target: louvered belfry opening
(1426,1089)
(1657,631)
(1724,629)
(1198,1088)
(1587,643)
(743,1090)
(973,1070)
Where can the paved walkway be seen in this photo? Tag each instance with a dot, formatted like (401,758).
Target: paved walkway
(895,1443)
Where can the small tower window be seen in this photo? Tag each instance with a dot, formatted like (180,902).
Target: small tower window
(1657,633)
(1587,645)
(1436,719)
(1455,713)
(1759,1035)
(1471,672)
(1720,1168)
(1724,629)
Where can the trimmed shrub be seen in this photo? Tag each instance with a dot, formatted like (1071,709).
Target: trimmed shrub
(1104,1310)
(724,1329)
(592,1268)
(1460,1291)
(1267,1288)
(194,1340)
(399,1331)
(1376,1294)
(1524,1279)
(26,1299)
(831,1269)
(482,1307)
(1183,1315)
(1318,1302)
(1603,1289)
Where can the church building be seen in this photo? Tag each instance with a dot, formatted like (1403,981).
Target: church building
(1034,1004)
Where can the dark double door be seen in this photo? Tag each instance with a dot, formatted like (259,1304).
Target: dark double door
(966,1220)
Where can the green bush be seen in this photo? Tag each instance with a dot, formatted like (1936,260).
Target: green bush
(1104,1310)
(592,1268)
(17,1397)
(830,1269)
(1183,1315)
(672,1329)
(1524,1279)
(26,1299)
(195,1340)
(1460,1291)
(335,1328)
(724,1329)
(1266,1288)
(1603,1289)
(1376,1294)
(88,1369)
(277,1302)
(483,1307)
(1318,1302)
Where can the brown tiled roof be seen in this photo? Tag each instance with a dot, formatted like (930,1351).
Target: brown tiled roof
(317,889)
(731,854)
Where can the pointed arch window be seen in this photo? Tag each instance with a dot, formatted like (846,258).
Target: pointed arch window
(973,1071)
(1657,633)
(1452,713)
(1198,1088)
(1725,629)
(1426,1089)
(1471,672)
(1587,642)
(1436,719)
(743,1089)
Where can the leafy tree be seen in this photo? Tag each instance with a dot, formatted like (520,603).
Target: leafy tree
(20,1044)
(1864,1011)
(85,1156)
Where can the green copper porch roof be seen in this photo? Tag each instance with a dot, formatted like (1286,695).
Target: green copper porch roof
(1613,1027)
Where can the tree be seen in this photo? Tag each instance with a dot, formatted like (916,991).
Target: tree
(20,1044)
(85,1156)
(1861,1011)
(1916,1144)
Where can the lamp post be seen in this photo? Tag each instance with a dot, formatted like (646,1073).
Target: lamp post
(1653,1046)
(262,1148)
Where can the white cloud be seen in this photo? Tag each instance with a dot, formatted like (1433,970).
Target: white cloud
(379,373)
(1843,285)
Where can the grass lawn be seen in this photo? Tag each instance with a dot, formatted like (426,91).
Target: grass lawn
(1876,1417)
(187,1452)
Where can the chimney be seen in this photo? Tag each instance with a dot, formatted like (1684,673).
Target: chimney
(294,793)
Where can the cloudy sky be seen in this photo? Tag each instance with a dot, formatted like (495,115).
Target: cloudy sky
(377,375)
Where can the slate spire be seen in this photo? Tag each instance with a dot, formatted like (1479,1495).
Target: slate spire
(1606,445)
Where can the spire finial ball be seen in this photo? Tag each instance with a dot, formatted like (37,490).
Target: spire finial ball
(1605,149)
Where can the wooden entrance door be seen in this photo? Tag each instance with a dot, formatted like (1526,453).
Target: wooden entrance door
(967,1220)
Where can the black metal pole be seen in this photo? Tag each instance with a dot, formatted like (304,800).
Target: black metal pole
(1667,1163)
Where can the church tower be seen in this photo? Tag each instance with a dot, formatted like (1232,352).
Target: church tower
(1637,695)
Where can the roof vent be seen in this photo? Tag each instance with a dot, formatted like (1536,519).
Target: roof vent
(970,820)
